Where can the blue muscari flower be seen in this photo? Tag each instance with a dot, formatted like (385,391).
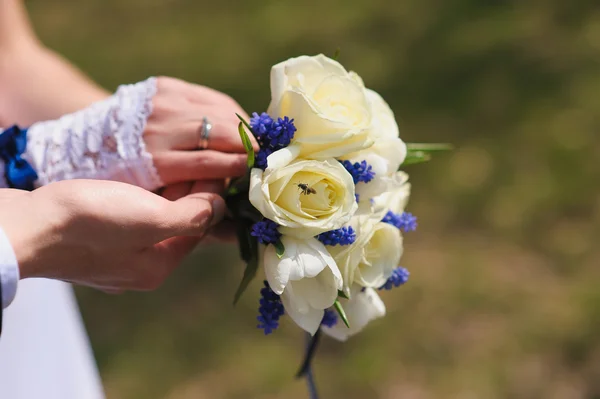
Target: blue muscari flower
(360,171)
(260,124)
(270,310)
(330,318)
(391,218)
(280,134)
(260,161)
(265,231)
(357,197)
(399,276)
(408,222)
(405,221)
(342,236)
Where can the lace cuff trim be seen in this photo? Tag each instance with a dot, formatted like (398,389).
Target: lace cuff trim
(103,141)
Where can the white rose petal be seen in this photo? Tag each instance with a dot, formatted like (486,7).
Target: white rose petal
(362,308)
(383,117)
(348,257)
(306,277)
(396,198)
(309,320)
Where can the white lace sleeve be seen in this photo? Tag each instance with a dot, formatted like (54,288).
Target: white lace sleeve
(103,141)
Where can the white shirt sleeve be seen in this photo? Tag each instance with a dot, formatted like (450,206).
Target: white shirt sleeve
(9,270)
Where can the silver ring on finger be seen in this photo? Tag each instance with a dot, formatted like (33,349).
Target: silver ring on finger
(204,133)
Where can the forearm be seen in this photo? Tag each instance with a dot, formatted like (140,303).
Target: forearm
(36,83)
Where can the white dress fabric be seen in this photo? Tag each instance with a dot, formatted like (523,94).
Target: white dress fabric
(44,349)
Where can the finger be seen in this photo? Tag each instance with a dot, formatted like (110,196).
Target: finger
(207,96)
(192,215)
(224,233)
(181,128)
(223,135)
(177,190)
(178,166)
(199,94)
(208,186)
(174,250)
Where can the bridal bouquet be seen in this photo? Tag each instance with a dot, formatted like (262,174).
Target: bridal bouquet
(322,208)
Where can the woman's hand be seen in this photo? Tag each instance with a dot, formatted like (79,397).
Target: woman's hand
(172,133)
(106,235)
(146,134)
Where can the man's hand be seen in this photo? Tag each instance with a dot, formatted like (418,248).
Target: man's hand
(106,235)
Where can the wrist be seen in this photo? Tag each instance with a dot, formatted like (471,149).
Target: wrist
(104,141)
(28,240)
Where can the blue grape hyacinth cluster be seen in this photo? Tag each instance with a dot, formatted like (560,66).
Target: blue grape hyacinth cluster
(330,318)
(399,277)
(266,231)
(270,310)
(342,236)
(360,171)
(272,135)
(405,221)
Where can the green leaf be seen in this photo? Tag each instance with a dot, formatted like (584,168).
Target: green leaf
(249,253)
(244,121)
(428,147)
(279,248)
(249,275)
(336,55)
(247,241)
(247,145)
(414,157)
(239,185)
(246,142)
(340,310)
(343,294)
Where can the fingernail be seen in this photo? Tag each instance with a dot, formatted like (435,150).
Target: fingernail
(218,205)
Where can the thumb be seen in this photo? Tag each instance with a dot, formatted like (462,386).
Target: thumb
(193,214)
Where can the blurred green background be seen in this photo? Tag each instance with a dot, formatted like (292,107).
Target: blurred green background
(504,297)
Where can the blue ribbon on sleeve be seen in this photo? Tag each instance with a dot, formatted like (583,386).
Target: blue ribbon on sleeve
(17,171)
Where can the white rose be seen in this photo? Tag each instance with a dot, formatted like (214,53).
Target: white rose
(381,255)
(375,253)
(384,157)
(277,195)
(361,308)
(329,106)
(396,198)
(306,277)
